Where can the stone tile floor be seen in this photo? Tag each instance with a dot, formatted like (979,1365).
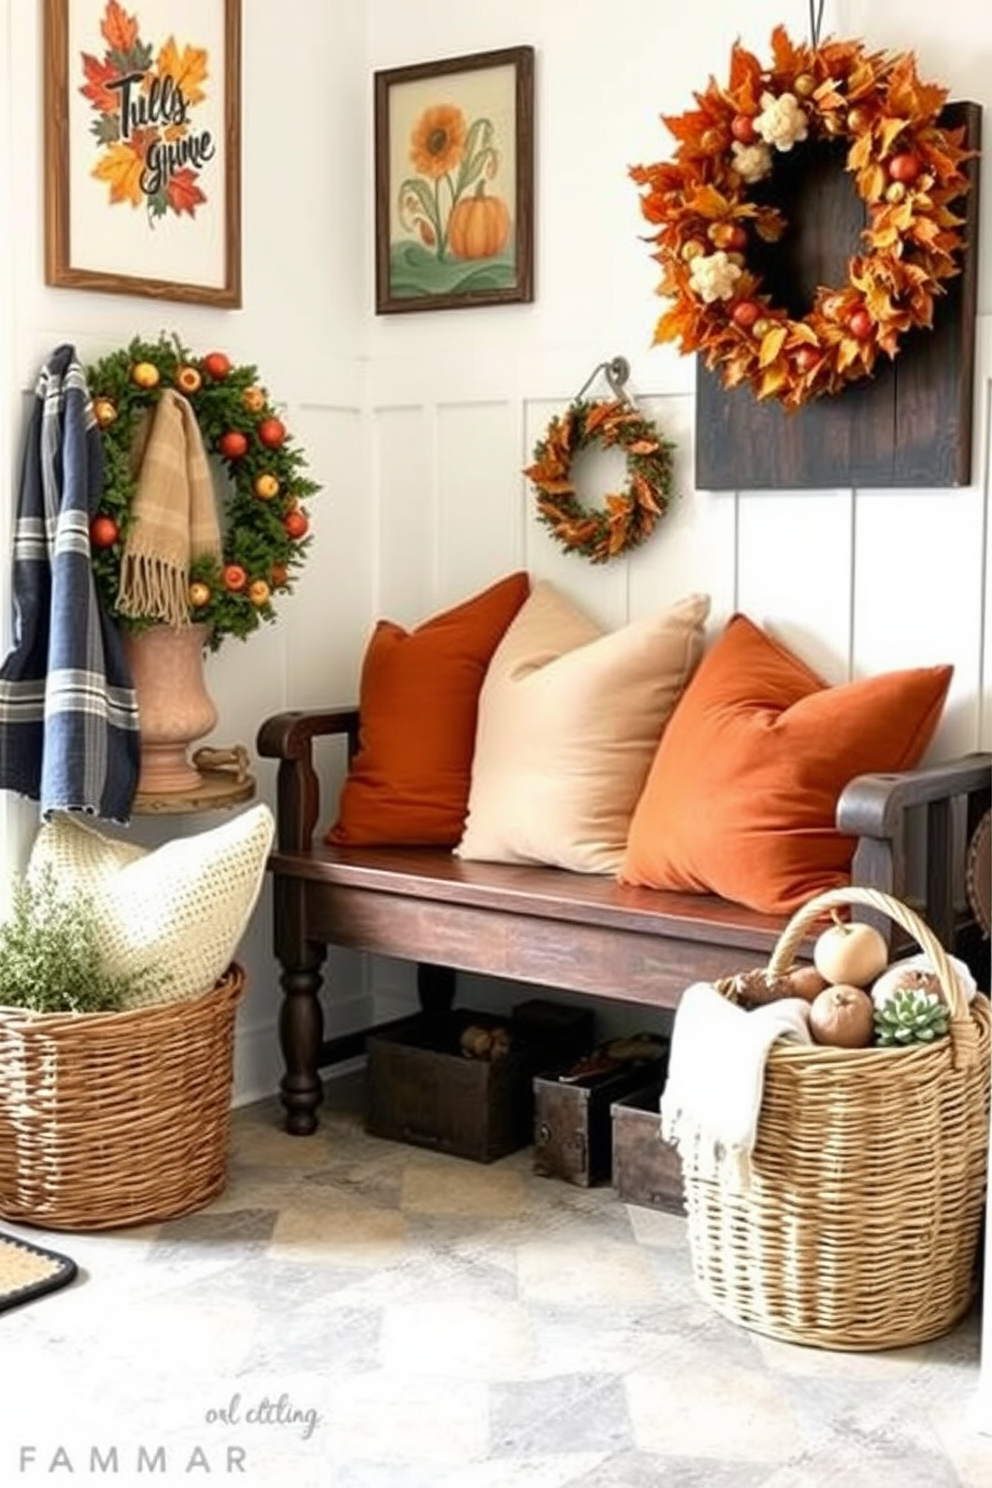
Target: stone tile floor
(355,1313)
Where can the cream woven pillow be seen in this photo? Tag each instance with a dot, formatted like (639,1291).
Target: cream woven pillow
(569,722)
(182,907)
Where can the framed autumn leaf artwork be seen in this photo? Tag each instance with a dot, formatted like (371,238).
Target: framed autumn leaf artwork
(454,171)
(142,148)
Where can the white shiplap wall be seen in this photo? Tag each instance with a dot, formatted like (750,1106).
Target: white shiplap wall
(418,425)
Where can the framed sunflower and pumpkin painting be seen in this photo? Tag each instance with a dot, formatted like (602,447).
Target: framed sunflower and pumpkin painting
(454,174)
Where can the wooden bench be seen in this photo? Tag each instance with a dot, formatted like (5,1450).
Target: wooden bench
(574,932)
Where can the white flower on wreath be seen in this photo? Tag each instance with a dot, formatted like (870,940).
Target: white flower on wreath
(712,276)
(752,162)
(781,122)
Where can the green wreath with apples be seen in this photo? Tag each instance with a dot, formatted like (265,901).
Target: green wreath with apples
(261,485)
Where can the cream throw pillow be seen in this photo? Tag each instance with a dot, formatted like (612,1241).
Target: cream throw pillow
(182,907)
(569,722)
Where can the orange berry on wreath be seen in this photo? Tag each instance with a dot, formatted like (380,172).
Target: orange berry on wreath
(861,325)
(234,576)
(104,531)
(145,374)
(904,168)
(217,365)
(745,313)
(188,380)
(233,444)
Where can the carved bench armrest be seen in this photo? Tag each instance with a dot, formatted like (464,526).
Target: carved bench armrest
(288,737)
(942,802)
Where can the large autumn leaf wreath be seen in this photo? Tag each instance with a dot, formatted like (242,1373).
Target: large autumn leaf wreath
(260,482)
(907,170)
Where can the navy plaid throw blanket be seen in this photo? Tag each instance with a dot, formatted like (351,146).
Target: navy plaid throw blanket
(68,712)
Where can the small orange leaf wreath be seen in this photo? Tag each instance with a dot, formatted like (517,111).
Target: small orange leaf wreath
(626,518)
(907,171)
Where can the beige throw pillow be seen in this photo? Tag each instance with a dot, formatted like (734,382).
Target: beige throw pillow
(181,908)
(569,722)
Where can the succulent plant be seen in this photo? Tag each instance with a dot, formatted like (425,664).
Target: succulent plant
(911,1015)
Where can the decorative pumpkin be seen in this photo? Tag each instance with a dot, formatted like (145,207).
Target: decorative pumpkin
(916,972)
(477,1042)
(843,1017)
(850,952)
(904,979)
(751,989)
(805,982)
(479,226)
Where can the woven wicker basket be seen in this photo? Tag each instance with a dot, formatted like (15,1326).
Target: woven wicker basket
(860,1227)
(110,1119)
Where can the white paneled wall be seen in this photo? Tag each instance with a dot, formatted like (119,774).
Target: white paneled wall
(857,581)
(303,324)
(418,425)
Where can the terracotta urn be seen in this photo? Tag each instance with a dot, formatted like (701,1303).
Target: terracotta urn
(174,707)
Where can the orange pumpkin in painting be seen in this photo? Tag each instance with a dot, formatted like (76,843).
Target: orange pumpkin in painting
(479,226)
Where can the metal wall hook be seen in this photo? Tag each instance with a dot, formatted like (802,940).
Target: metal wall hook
(616,371)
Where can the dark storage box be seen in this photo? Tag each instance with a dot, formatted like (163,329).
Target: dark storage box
(422,1089)
(646,1170)
(572,1029)
(573,1125)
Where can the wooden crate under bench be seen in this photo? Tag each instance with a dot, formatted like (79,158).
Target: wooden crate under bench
(421,1088)
(646,1170)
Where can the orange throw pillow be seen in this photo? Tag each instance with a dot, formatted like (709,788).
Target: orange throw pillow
(418,699)
(742,795)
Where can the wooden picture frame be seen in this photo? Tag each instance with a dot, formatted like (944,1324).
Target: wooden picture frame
(142,148)
(454,182)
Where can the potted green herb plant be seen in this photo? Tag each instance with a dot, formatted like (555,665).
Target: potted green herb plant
(50,957)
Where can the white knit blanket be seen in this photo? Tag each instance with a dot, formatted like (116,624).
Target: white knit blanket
(716,1072)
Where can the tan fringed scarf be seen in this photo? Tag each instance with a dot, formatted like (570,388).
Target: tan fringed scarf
(174,516)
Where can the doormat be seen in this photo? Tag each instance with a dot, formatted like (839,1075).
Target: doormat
(28,1271)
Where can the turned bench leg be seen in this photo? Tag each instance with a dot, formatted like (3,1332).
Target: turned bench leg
(301,1032)
(435,988)
(301,1035)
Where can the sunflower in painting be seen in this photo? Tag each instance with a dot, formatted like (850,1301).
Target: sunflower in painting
(438,141)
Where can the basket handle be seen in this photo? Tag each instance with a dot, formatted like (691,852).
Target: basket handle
(963,1033)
